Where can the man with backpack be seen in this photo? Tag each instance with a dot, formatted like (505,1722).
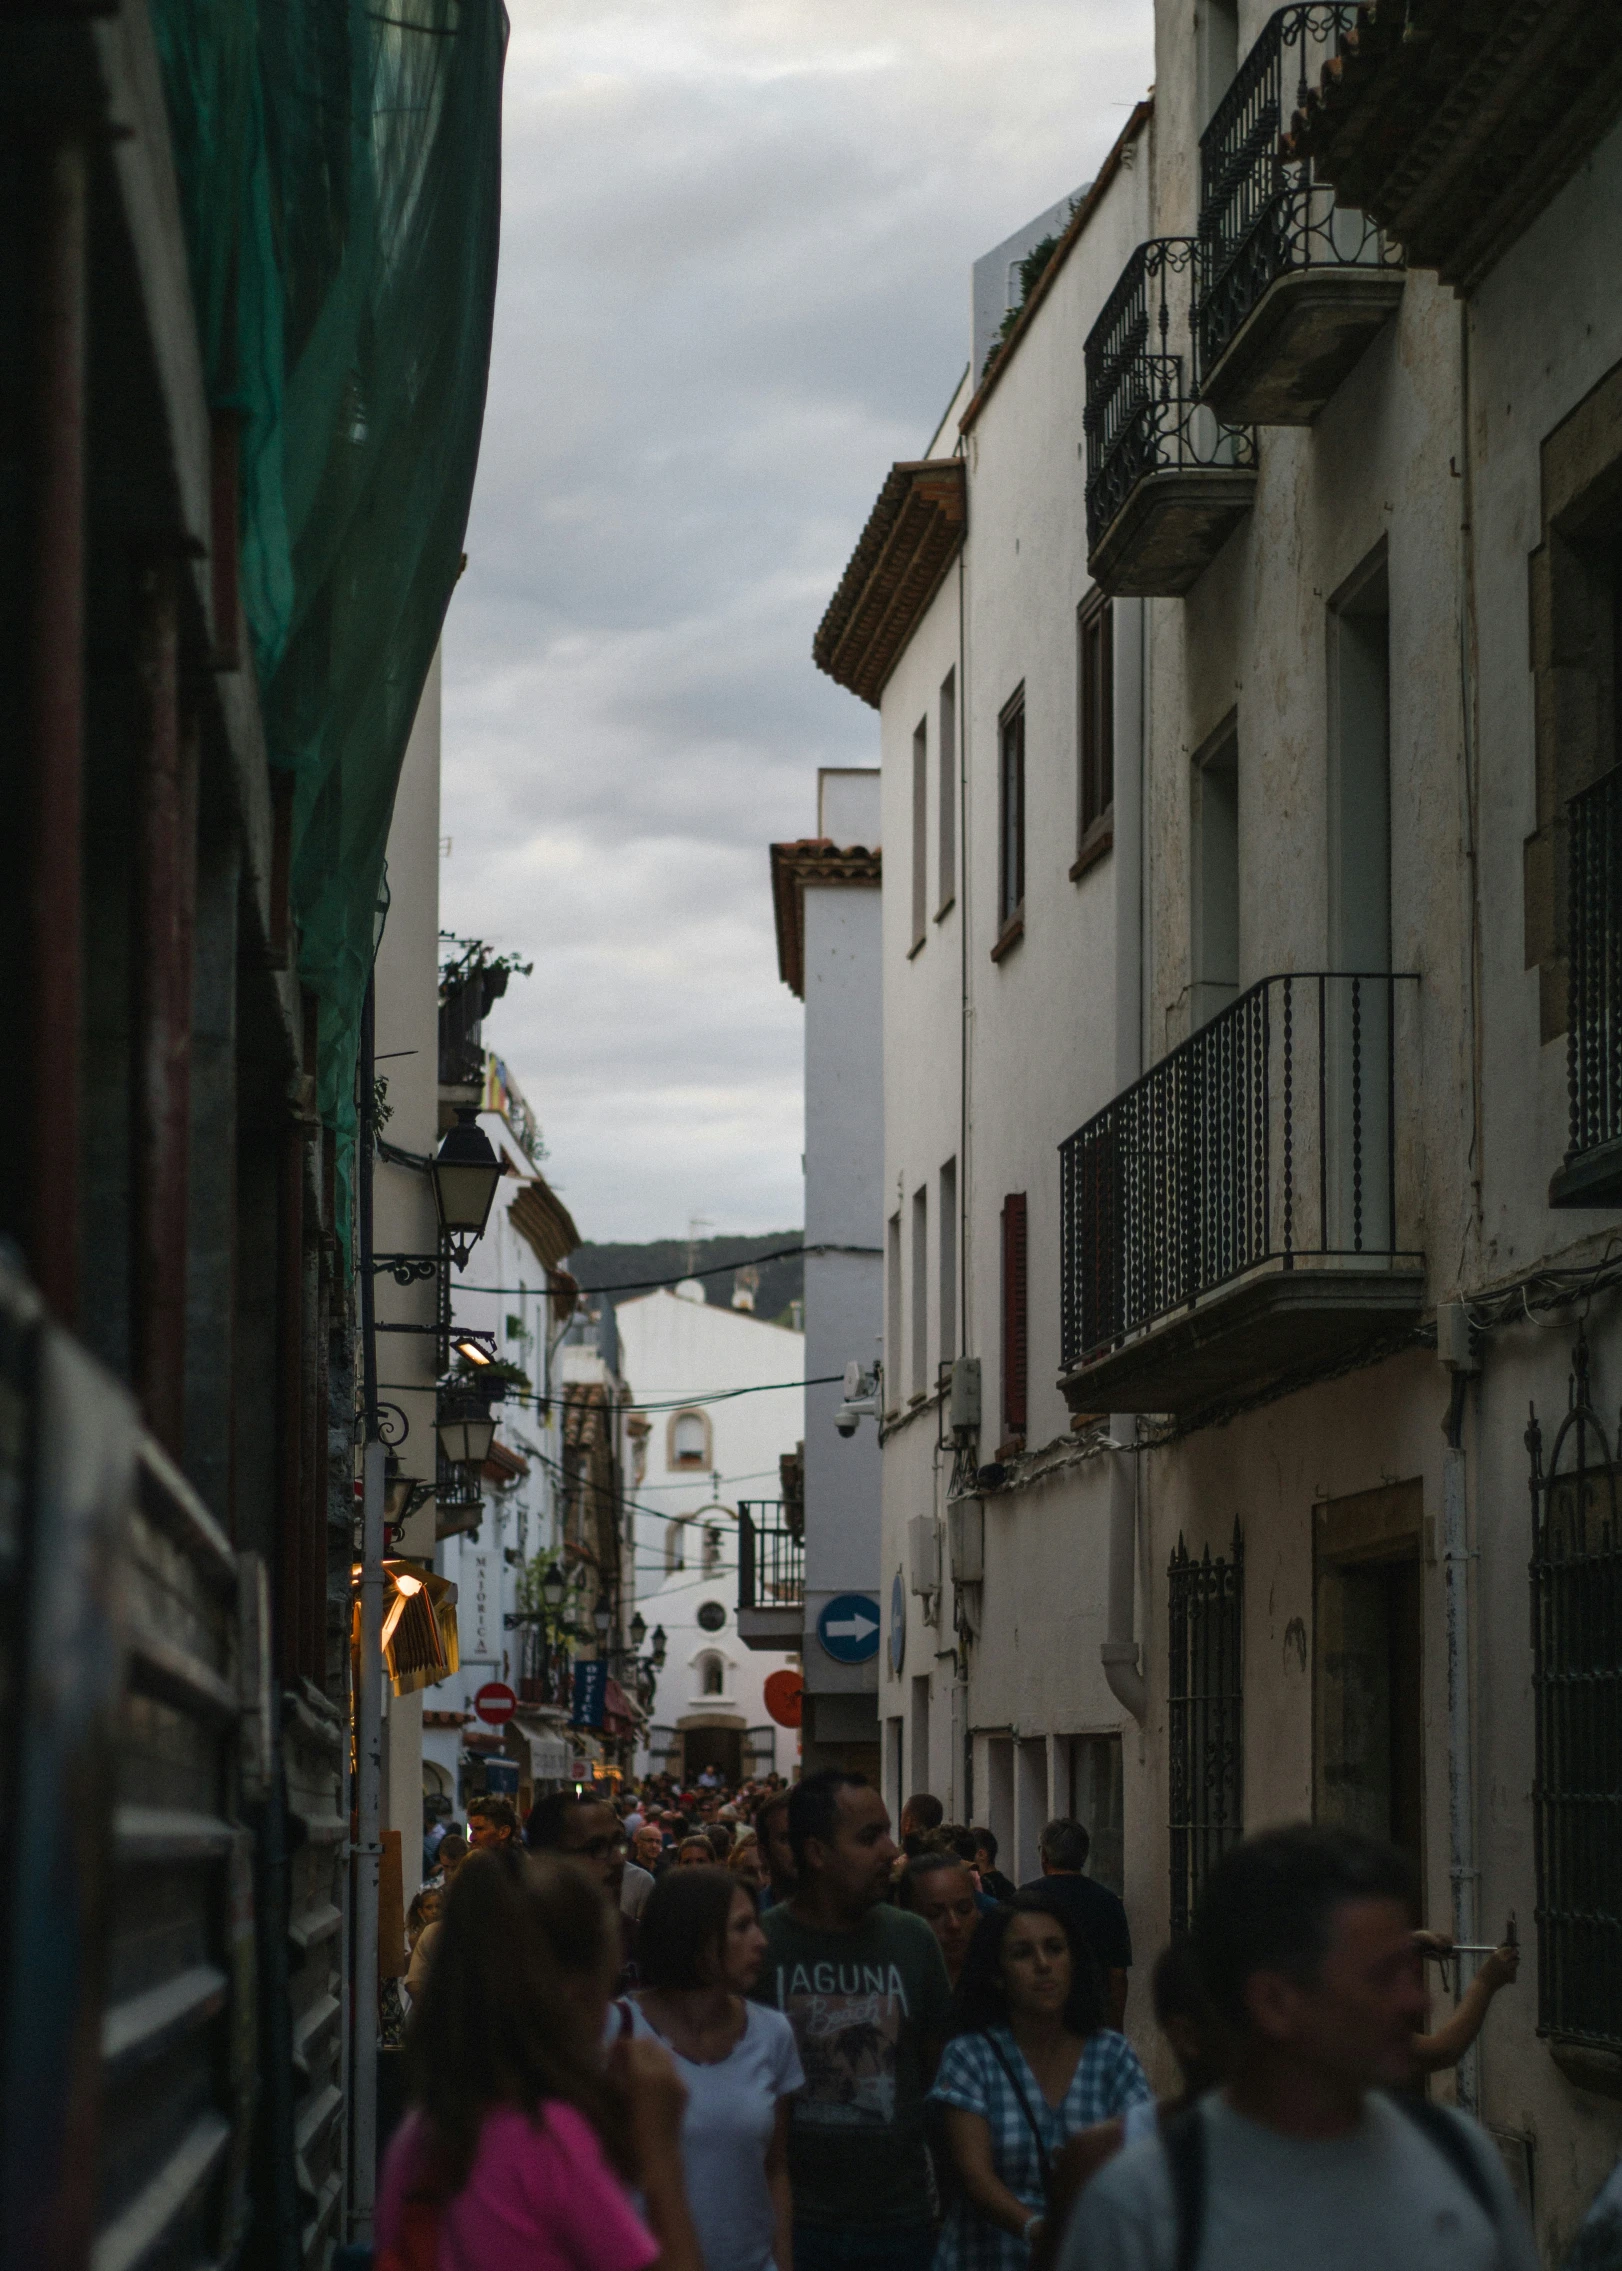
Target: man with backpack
(1313,2152)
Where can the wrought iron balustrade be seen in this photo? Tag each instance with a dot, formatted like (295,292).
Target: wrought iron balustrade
(1263,210)
(1268,1137)
(1143,415)
(1594,946)
(771,1558)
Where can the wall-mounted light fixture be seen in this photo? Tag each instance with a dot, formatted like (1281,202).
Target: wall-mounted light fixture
(464,1172)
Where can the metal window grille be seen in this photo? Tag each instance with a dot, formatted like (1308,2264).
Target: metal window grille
(1206,1717)
(771,1557)
(1269,1136)
(1576,1574)
(1262,212)
(1143,415)
(1594,1029)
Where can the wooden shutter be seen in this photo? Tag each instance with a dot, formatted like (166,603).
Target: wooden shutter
(1013,1314)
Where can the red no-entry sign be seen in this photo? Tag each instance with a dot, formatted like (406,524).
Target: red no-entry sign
(495,1703)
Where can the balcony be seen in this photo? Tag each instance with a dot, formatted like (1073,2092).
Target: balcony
(1592,1173)
(1167,481)
(1292,288)
(1454,129)
(771,1576)
(1232,1219)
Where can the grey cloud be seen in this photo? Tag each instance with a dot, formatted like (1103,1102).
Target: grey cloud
(734,286)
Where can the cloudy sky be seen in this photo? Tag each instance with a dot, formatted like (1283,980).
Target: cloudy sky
(735,258)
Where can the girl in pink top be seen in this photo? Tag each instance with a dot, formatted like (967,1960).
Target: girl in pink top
(521,2148)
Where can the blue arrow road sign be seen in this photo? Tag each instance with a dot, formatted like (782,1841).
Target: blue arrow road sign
(849,1628)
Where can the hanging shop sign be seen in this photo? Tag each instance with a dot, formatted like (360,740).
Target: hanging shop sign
(590,1694)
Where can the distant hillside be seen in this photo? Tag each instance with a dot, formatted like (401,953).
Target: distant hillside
(631,1267)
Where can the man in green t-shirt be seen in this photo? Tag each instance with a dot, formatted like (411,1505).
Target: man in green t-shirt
(865,1990)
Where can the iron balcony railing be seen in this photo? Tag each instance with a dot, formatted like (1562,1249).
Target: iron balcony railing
(1263,212)
(1268,1137)
(771,1558)
(1142,414)
(1594,999)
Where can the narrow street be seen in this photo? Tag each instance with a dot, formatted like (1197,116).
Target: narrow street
(811,1261)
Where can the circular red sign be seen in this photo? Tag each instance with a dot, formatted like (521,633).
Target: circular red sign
(495,1703)
(785,1697)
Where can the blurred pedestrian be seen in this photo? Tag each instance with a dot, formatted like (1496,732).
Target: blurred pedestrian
(1434,2053)
(587,1830)
(702,1949)
(771,1827)
(720,1835)
(453,1851)
(921,1813)
(492,1821)
(648,1848)
(1032,2061)
(865,1990)
(1313,2151)
(520,2149)
(1096,1914)
(695,1852)
(744,1862)
(940,1888)
(992,1879)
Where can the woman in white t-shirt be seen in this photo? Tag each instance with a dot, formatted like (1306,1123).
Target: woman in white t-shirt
(699,1951)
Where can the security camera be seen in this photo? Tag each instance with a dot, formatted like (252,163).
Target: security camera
(861,1398)
(846,1419)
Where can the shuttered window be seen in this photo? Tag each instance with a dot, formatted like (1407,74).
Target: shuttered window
(1013,1314)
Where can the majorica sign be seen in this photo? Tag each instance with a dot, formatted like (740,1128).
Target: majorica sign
(849,1628)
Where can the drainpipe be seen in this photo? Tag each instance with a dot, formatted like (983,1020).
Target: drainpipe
(1119,1652)
(369,1693)
(1462,1871)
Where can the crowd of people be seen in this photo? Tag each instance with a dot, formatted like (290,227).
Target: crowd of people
(753,2030)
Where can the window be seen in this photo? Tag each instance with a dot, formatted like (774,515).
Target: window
(1216,45)
(1011,817)
(1013,1315)
(920,834)
(918,1774)
(946,1230)
(1576,1574)
(675,1547)
(712,1674)
(1095,729)
(946,791)
(920,1291)
(687,1440)
(1215,956)
(892,1319)
(1206,1718)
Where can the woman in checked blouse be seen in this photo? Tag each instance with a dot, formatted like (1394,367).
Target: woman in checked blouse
(1030,2063)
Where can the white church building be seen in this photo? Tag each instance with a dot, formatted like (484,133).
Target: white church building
(700,1452)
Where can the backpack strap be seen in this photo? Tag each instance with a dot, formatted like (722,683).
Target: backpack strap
(1042,2160)
(1439,2128)
(1183,2137)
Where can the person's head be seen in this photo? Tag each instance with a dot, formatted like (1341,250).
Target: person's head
(745,1863)
(1183,2015)
(699,1929)
(985,1849)
(839,1834)
(720,1837)
(771,1827)
(1303,1940)
(647,1845)
(581,1829)
(919,1816)
(453,1851)
(1063,1847)
(939,1887)
(492,1821)
(954,1837)
(425,1909)
(1026,1963)
(514,2005)
(695,1852)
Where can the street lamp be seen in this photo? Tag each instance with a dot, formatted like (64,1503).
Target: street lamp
(464,1172)
(656,1655)
(639,1629)
(553,1589)
(465,1430)
(602,1616)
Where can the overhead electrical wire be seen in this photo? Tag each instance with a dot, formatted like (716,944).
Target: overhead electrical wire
(654,1284)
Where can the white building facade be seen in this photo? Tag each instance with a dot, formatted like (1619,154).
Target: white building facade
(1271,1030)
(705,1457)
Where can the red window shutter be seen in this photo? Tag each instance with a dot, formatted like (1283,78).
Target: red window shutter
(1013,1314)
